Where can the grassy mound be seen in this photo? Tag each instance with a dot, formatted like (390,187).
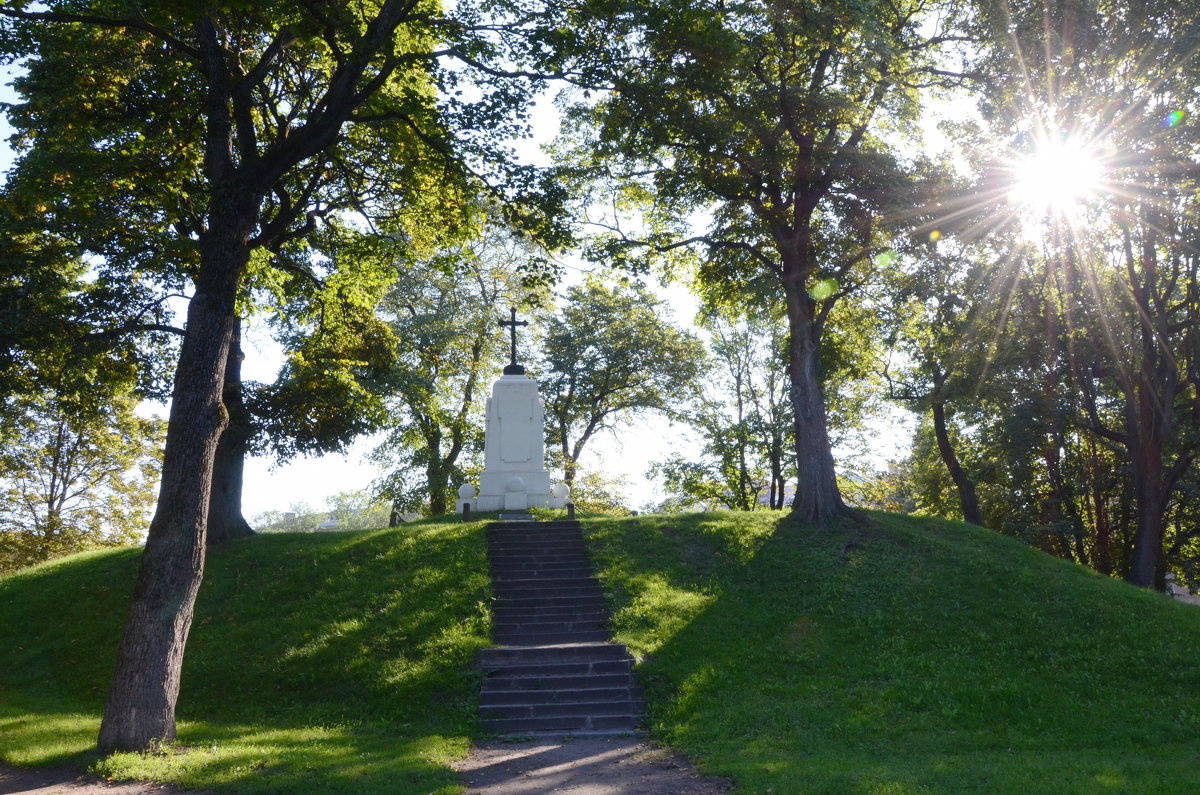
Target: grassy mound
(338,662)
(916,656)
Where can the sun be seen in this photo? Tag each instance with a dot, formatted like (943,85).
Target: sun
(1057,177)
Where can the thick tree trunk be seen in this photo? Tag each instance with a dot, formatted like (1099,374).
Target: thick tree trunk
(225,520)
(817,496)
(966,488)
(437,490)
(145,685)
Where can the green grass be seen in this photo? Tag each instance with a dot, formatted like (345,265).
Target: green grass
(926,656)
(338,662)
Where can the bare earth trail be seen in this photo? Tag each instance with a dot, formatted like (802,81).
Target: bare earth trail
(68,781)
(580,766)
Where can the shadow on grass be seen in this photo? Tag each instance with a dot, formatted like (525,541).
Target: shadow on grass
(341,662)
(913,656)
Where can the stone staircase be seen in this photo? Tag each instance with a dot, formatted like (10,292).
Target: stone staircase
(554,670)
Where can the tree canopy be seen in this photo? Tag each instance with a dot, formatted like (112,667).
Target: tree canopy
(769,117)
(195,149)
(607,354)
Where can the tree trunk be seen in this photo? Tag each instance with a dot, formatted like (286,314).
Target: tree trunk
(436,474)
(568,463)
(145,684)
(966,488)
(817,496)
(225,520)
(1148,569)
(437,489)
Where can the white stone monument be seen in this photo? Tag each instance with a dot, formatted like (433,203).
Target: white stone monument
(514,449)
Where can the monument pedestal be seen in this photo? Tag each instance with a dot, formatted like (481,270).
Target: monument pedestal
(514,471)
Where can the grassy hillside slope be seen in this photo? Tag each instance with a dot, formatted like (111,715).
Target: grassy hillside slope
(338,662)
(916,656)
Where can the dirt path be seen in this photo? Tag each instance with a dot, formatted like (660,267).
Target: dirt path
(582,766)
(68,781)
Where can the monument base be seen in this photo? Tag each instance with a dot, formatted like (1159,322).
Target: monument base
(513,490)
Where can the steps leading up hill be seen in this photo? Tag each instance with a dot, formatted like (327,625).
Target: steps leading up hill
(554,670)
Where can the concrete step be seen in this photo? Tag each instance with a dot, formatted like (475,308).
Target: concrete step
(517,672)
(549,612)
(565,724)
(555,625)
(546,573)
(534,551)
(534,592)
(527,539)
(497,527)
(506,684)
(584,602)
(554,582)
(567,652)
(526,637)
(621,693)
(582,709)
(579,559)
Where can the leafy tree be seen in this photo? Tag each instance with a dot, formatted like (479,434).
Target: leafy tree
(1120,78)
(598,492)
(187,145)
(443,315)
(607,354)
(743,419)
(74,474)
(946,326)
(768,116)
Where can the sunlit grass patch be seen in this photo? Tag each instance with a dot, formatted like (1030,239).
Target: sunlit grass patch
(914,656)
(340,662)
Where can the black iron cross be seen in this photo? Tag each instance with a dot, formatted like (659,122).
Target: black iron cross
(513,368)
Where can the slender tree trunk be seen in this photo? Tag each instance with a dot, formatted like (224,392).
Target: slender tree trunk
(817,496)
(1147,569)
(1102,558)
(225,520)
(966,488)
(438,479)
(568,463)
(145,684)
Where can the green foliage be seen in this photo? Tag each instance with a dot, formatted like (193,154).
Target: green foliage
(915,655)
(338,662)
(350,510)
(443,315)
(776,126)
(608,354)
(75,473)
(744,416)
(599,493)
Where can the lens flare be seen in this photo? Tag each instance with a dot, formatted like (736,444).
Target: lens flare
(1173,119)
(1056,177)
